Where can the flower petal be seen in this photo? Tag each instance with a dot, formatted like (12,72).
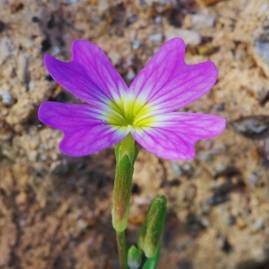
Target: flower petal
(84,132)
(89,76)
(175,134)
(99,66)
(167,81)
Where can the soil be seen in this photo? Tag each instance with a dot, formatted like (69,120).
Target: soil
(55,210)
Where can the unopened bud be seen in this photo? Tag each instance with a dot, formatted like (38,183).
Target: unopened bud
(126,153)
(150,233)
(134,257)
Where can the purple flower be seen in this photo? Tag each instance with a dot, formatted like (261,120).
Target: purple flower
(147,109)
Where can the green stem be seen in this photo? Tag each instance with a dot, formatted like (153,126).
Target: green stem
(152,263)
(125,153)
(122,249)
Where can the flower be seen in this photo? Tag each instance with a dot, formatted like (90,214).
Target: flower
(147,109)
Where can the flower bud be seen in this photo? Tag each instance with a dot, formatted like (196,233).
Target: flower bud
(126,153)
(134,257)
(150,233)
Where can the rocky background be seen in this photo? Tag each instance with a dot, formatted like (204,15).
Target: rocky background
(55,210)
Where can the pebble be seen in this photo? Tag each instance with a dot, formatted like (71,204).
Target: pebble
(217,200)
(136,44)
(55,50)
(158,20)
(230,220)
(114,56)
(32,156)
(264,8)
(22,70)
(254,127)
(200,21)
(263,96)
(190,37)
(194,224)
(226,171)
(181,169)
(156,38)
(261,50)
(221,193)
(224,244)
(253,179)
(103,5)
(6,97)
(5,49)
(259,224)
(71,1)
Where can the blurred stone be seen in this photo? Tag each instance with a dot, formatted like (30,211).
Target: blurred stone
(254,127)
(190,37)
(182,169)
(156,37)
(224,244)
(259,224)
(6,97)
(6,49)
(226,171)
(230,220)
(200,21)
(103,5)
(261,50)
(136,44)
(263,96)
(158,20)
(253,179)
(71,1)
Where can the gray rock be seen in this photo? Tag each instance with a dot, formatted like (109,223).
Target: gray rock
(6,97)
(136,44)
(6,49)
(259,224)
(158,19)
(261,50)
(254,127)
(71,1)
(200,21)
(156,37)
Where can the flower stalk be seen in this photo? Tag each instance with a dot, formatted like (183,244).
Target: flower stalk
(126,153)
(122,249)
(152,262)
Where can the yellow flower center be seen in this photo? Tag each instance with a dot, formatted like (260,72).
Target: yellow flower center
(129,112)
